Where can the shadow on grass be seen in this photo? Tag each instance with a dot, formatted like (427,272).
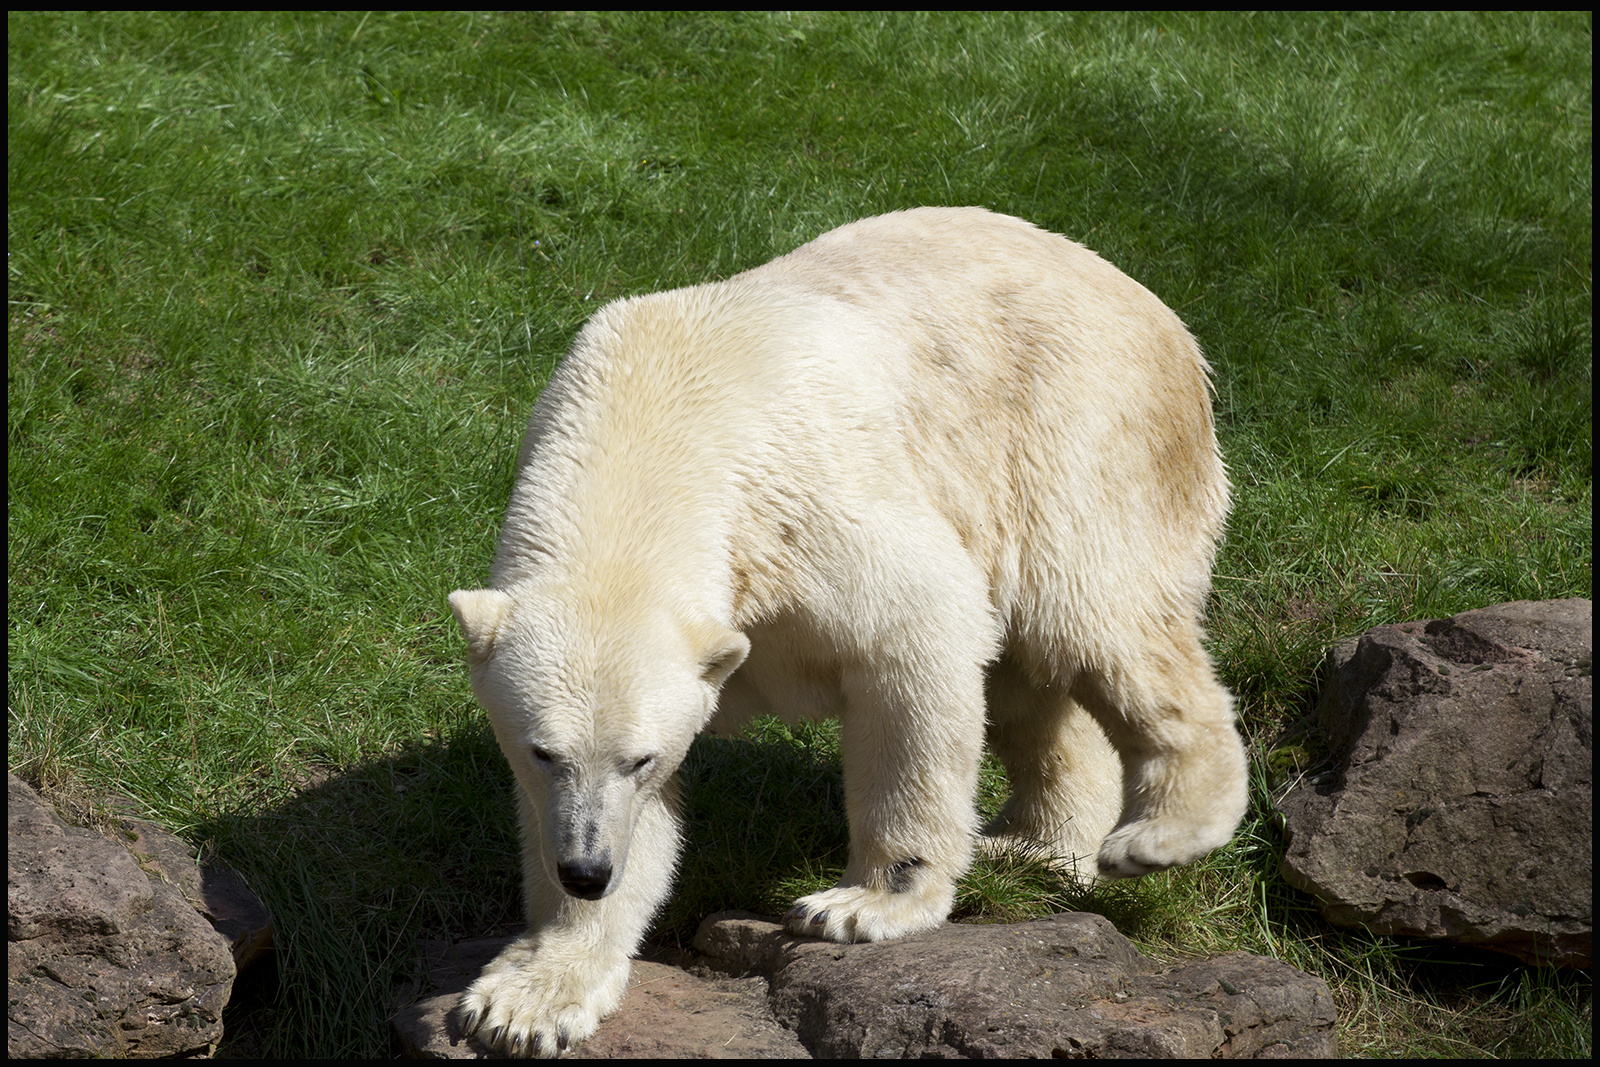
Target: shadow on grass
(422,843)
(355,866)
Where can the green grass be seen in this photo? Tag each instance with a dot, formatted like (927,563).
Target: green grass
(283,290)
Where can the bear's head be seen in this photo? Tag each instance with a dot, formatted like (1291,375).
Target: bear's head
(594,706)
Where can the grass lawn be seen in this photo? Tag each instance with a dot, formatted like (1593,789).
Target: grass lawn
(283,290)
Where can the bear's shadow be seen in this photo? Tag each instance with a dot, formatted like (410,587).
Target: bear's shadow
(357,864)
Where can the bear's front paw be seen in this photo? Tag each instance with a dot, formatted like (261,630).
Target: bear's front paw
(530,1002)
(859,913)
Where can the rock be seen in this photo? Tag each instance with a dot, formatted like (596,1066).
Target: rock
(102,960)
(667,1013)
(1065,986)
(1460,799)
(1068,986)
(216,892)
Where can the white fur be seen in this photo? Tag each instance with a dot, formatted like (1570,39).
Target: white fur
(931,463)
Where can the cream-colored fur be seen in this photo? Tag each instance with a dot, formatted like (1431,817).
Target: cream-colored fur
(931,463)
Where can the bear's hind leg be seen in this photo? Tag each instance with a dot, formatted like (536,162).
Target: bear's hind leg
(1066,779)
(1185,774)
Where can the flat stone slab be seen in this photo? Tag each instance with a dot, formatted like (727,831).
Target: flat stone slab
(667,1013)
(1064,986)
(1067,986)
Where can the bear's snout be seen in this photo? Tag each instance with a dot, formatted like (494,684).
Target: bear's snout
(587,880)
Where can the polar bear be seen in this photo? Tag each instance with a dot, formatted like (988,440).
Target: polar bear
(940,473)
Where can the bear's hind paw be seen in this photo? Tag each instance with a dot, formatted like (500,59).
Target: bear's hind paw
(1151,845)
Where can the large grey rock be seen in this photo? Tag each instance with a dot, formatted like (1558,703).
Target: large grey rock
(102,960)
(1460,799)
(1067,986)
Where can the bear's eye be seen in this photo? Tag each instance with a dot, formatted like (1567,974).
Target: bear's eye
(640,766)
(540,754)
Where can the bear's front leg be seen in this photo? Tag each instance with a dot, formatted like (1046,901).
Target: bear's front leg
(912,744)
(549,989)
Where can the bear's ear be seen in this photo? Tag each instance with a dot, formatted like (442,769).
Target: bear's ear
(480,613)
(723,651)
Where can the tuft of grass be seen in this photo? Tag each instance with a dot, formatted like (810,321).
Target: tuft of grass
(283,288)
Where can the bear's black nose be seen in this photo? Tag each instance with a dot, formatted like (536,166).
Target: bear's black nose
(586,881)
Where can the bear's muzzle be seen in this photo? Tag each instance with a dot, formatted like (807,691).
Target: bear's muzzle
(587,880)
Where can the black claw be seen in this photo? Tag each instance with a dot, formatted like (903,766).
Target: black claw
(819,918)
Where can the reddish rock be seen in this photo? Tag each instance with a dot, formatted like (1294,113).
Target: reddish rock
(102,960)
(1456,800)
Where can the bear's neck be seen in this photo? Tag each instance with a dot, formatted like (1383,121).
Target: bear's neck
(617,517)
